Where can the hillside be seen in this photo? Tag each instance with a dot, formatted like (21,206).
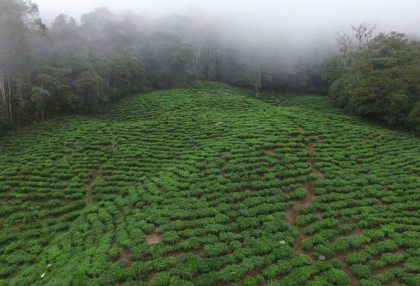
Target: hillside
(207,185)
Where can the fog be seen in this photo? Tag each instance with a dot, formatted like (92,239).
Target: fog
(270,34)
(114,48)
(300,17)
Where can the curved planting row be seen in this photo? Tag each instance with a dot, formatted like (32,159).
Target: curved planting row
(209,186)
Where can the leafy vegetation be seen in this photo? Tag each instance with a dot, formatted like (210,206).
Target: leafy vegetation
(379,77)
(198,186)
(71,68)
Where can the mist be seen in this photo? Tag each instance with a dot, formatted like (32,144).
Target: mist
(291,30)
(111,49)
(300,18)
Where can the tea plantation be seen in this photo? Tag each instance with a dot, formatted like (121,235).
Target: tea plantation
(208,185)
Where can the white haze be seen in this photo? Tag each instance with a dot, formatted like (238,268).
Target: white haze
(298,17)
(292,28)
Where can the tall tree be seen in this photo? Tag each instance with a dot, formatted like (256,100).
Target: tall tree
(17,19)
(380,79)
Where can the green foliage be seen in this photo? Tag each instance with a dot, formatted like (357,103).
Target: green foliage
(381,80)
(361,271)
(337,277)
(298,194)
(414,116)
(161,279)
(115,252)
(357,257)
(192,186)
(392,258)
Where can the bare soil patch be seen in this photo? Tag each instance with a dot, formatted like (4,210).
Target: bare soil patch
(153,238)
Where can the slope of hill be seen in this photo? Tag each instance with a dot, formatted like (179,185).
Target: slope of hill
(209,186)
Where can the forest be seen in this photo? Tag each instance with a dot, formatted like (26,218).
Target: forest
(74,68)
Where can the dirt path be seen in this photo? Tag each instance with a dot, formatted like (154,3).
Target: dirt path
(311,161)
(293,214)
(386,268)
(222,168)
(92,181)
(353,280)
(125,255)
(291,218)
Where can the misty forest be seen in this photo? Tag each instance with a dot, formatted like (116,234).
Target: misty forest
(179,150)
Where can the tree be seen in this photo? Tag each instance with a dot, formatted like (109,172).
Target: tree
(92,86)
(379,79)
(414,116)
(40,97)
(17,18)
(66,37)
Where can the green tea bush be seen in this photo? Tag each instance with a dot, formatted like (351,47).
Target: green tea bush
(198,185)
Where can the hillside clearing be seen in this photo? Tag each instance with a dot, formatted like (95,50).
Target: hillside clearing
(207,185)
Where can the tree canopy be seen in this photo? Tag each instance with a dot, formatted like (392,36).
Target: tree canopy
(379,77)
(78,68)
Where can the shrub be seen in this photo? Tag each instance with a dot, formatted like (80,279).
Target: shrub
(392,258)
(161,279)
(250,281)
(357,257)
(114,252)
(361,271)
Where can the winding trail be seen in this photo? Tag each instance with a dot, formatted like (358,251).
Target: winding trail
(92,181)
(293,214)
